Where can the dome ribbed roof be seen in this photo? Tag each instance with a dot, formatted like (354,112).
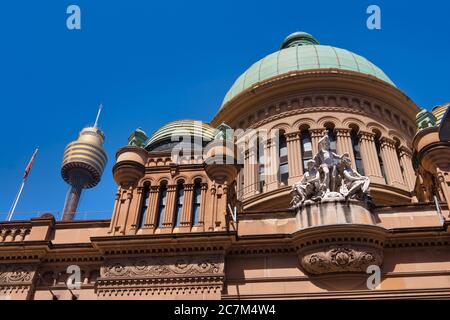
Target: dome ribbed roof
(300,51)
(181,128)
(439,112)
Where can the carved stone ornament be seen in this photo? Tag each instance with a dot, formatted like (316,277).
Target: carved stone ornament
(164,267)
(15,274)
(344,258)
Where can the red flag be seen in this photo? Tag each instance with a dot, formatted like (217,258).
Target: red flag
(30,164)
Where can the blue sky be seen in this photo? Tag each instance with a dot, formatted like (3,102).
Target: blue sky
(150,62)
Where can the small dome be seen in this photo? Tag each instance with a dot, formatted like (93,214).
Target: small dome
(439,112)
(298,39)
(301,51)
(166,137)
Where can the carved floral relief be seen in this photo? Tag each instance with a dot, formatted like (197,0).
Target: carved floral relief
(344,258)
(15,274)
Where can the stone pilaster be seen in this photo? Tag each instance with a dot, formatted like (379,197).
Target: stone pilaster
(294,157)
(136,212)
(186,215)
(152,208)
(116,210)
(124,214)
(167,223)
(201,221)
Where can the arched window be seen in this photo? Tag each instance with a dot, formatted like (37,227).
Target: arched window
(162,204)
(179,200)
(283,156)
(380,159)
(144,205)
(196,202)
(306,148)
(357,152)
(261,161)
(332,137)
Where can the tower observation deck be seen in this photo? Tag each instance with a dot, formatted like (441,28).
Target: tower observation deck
(82,167)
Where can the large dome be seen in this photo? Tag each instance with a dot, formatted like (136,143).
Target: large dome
(301,51)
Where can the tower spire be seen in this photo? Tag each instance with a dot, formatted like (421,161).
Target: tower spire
(100,108)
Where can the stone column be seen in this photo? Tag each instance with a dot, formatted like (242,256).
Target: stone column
(443,180)
(406,161)
(294,157)
(152,207)
(369,157)
(122,209)
(201,221)
(137,208)
(250,174)
(316,134)
(126,213)
(271,166)
(209,220)
(186,216)
(344,143)
(170,207)
(116,210)
(391,163)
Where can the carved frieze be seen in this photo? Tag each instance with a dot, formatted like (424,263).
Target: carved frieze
(160,267)
(341,258)
(162,276)
(16,274)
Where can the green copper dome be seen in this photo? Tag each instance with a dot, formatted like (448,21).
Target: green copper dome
(168,135)
(301,51)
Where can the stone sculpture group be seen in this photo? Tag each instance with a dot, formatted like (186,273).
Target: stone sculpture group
(329,177)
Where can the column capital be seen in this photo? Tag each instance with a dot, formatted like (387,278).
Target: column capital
(172,187)
(154,189)
(342,132)
(292,136)
(188,186)
(317,133)
(405,151)
(251,152)
(368,136)
(387,142)
(269,143)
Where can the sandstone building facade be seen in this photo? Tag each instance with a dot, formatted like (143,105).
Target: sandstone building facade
(189,226)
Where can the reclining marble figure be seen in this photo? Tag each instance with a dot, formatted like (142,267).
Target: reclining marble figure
(309,186)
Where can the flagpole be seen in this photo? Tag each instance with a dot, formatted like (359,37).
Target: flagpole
(13,208)
(25,176)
